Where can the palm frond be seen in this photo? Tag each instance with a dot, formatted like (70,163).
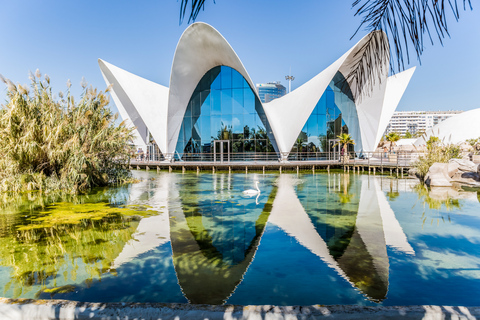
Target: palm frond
(406,24)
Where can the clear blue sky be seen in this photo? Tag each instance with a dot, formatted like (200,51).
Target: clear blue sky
(65,38)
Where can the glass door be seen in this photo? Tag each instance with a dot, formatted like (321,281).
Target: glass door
(221,150)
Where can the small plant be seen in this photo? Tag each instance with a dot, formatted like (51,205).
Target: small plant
(475,144)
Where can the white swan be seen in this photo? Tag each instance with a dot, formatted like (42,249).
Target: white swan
(252,192)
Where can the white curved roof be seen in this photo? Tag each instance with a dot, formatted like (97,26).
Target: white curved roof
(455,129)
(202,48)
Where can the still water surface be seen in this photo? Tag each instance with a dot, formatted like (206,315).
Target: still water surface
(188,238)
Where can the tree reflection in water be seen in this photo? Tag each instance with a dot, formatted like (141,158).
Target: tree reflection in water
(213,231)
(55,244)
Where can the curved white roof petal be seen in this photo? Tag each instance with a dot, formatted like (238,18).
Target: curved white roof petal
(199,49)
(143,101)
(455,129)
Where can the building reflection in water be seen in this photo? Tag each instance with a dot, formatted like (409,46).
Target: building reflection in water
(224,244)
(215,232)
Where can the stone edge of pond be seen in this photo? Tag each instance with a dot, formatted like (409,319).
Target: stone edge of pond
(13,309)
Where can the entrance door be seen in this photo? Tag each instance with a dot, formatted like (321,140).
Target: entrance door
(221,150)
(335,148)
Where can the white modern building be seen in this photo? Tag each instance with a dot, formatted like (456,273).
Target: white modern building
(211,105)
(417,121)
(456,129)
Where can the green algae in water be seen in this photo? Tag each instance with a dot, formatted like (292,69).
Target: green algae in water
(49,245)
(69,213)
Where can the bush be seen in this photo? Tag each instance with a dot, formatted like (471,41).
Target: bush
(57,144)
(437,151)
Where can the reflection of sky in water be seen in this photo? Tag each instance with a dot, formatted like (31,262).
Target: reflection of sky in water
(446,269)
(311,239)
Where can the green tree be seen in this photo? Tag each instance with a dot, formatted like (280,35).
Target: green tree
(344,140)
(60,144)
(408,135)
(392,137)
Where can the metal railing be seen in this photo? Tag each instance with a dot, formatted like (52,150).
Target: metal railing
(398,158)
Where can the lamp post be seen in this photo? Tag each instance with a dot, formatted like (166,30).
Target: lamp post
(290,79)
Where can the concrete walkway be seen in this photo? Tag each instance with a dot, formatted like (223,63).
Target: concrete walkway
(24,309)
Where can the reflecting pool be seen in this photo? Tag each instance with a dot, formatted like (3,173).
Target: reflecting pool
(195,238)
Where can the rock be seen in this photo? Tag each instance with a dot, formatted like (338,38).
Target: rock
(464,165)
(444,194)
(413,173)
(437,175)
(452,168)
(468,178)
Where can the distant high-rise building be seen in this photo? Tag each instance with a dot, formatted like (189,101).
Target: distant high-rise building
(417,121)
(271,90)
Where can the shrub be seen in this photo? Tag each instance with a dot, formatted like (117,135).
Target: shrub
(437,151)
(57,144)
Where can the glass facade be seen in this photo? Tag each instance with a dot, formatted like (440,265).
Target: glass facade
(335,113)
(224,108)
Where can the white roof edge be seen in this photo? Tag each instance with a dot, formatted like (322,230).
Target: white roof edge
(145,102)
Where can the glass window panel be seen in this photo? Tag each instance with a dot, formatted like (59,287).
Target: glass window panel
(216,82)
(188,112)
(260,120)
(216,101)
(237,95)
(206,128)
(216,126)
(237,146)
(249,125)
(312,125)
(322,124)
(226,101)
(237,124)
(206,146)
(227,121)
(245,84)
(226,77)
(249,145)
(260,145)
(248,101)
(237,80)
(187,122)
(321,106)
(196,129)
(205,97)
